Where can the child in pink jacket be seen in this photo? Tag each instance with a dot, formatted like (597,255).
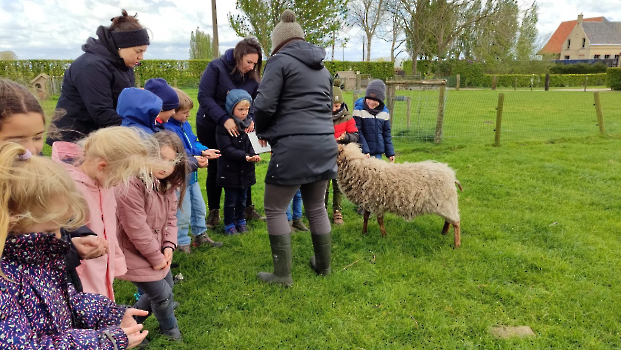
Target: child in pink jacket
(147,227)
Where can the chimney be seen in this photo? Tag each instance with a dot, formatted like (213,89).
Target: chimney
(580,17)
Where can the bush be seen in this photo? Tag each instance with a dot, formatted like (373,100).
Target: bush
(556,80)
(579,68)
(613,76)
(379,70)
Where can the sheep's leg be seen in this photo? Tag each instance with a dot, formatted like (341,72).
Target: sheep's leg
(366,222)
(457,234)
(446,227)
(380,221)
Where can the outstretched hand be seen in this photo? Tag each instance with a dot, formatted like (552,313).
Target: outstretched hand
(211,153)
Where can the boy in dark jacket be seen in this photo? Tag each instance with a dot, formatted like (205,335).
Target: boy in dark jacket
(373,122)
(236,164)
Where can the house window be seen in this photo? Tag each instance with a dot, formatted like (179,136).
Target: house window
(616,57)
(583,42)
(566,57)
(568,43)
(596,56)
(606,56)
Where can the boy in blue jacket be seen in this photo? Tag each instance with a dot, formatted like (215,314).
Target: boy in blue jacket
(146,109)
(373,122)
(193,209)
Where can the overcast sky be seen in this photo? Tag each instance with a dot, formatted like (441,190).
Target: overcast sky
(56,29)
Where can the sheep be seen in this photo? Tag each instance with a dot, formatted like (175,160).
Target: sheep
(408,190)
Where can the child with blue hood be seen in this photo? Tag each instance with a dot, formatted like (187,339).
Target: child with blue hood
(148,108)
(236,163)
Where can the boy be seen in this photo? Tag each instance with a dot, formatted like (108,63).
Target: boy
(373,122)
(236,166)
(147,109)
(193,209)
(345,131)
(170,100)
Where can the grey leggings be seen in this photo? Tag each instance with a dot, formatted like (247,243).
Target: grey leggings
(277,199)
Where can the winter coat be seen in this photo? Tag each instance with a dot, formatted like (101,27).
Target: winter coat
(147,223)
(217,80)
(344,123)
(139,108)
(91,87)
(293,112)
(40,310)
(233,169)
(374,130)
(190,143)
(97,275)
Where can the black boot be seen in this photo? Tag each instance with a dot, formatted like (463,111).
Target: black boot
(281,253)
(322,245)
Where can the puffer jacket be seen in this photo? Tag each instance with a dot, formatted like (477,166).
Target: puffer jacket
(344,123)
(374,130)
(91,88)
(190,143)
(293,112)
(233,169)
(39,309)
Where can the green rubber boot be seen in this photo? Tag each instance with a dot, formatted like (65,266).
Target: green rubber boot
(281,253)
(320,262)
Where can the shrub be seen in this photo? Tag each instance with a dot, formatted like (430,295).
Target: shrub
(614,78)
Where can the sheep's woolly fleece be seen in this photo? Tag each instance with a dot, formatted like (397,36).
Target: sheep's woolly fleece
(408,189)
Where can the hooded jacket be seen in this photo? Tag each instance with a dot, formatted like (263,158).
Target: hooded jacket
(39,309)
(91,87)
(293,112)
(138,108)
(97,275)
(344,123)
(190,143)
(374,130)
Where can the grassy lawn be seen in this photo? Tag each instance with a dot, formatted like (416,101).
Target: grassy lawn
(540,247)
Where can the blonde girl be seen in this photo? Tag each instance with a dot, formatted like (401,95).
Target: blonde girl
(38,307)
(106,158)
(148,231)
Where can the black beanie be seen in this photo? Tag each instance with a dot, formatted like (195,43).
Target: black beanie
(376,90)
(130,38)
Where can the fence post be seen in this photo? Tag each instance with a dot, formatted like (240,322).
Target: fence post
(137,80)
(586,83)
(355,96)
(440,122)
(598,111)
(494,82)
(501,102)
(175,82)
(515,84)
(458,81)
(358,81)
(547,87)
(408,100)
(392,91)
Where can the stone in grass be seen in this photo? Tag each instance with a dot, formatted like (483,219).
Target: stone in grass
(505,332)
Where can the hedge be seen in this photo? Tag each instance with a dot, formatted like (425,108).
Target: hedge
(379,70)
(556,80)
(614,78)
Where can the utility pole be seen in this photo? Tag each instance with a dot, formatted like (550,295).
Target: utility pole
(214,19)
(363,51)
(333,43)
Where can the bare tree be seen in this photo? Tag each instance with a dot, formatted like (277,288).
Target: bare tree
(367,14)
(412,14)
(393,31)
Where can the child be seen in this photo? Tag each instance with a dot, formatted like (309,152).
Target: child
(139,108)
(294,213)
(373,122)
(21,117)
(193,208)
(236,166)
(147,229)
(106,158)
(170,100)
(345,131)
(38,308)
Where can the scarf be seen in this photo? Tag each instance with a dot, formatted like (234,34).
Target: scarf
(373,111)
(242,125)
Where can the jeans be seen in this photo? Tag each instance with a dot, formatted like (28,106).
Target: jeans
(378,156)
(234,205)
(158,298)
(294,211)
(192,213)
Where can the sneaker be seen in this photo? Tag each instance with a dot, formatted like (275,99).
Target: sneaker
(241,227)
(337,218)
(293,230)
(252,214)
(299,225)
(230,230)
(203,238)
(213,219)
(184,248)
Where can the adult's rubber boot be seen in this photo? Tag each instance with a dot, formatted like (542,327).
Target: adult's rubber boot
(281,253)
(322,245)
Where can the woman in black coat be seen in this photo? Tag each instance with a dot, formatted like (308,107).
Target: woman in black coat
(293,113)
(94,81)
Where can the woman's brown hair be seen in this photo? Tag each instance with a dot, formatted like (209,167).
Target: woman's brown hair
(125,23)
(16,99)
(245,47)
(177,179)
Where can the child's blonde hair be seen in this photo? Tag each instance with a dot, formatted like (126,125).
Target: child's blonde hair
(185,102)
(242,103)
(34,190)
(127,152)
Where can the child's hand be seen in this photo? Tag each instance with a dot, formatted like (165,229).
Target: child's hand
(340,138)
(367,155)
(392,159)
(90,247)
(161,265)
(202,161)
(211,153)
(257,158)
(134,335)
(168,255)
(129,320)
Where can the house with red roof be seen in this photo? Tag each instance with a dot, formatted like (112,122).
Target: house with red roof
(585,39)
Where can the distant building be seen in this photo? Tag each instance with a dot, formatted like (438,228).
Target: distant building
(585,39)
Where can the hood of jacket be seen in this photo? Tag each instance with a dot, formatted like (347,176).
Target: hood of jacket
(104,47)
(139,107)
(67,154)
(307,53)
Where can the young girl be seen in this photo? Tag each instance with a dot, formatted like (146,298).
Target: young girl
(21,117)
(106,158)
(38,308)
(148,231)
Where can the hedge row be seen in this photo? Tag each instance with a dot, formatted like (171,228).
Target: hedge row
(614,78)
(184,73)
(538,80)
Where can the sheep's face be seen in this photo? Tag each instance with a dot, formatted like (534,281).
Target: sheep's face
(348,152)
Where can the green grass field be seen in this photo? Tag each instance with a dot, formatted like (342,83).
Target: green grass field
(540,248)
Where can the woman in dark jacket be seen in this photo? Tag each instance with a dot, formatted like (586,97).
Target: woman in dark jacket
(293,113)
(238,68)
(94,81)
